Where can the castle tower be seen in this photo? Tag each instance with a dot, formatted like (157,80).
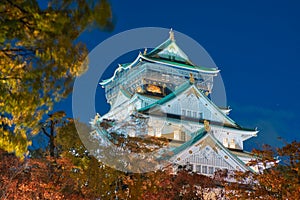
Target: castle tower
(167,89)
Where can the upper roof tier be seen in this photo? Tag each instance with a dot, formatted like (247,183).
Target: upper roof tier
(168,53)
(169,50)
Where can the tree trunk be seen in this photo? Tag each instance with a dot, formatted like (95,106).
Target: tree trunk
(51,139)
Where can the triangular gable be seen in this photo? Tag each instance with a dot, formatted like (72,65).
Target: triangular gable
(205,149)
(169,50)
(190,88)
(159,48)
(198,97)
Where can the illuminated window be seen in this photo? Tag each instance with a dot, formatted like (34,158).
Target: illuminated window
(225,142)
(232,143)
(154,89)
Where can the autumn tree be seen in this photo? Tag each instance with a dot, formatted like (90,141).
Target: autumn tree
(36,178)
(94,179)
(101,181)
(39,58)
(73,174)
(275,180)
(49,127)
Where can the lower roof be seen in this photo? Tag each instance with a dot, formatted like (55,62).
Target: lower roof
(195,120)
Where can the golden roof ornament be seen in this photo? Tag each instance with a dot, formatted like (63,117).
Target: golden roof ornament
(192,80)
(208,92)
(145,51)
(172,35)
(119,68)
(97,117)
(206,126)
(139,89)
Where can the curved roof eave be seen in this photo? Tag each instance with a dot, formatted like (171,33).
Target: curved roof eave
(121,67)
(195,68)
(140,56)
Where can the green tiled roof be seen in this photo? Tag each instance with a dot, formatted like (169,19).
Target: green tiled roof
(197,136)
(160,47)
(177,60)
(180,64)
(154,56)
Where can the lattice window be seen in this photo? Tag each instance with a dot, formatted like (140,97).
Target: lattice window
(210,170)
(189,113)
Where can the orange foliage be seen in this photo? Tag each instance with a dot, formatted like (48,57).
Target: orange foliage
(36,179)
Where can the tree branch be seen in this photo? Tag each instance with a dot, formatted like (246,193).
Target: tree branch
(10,78)
(45,132)
(17,6)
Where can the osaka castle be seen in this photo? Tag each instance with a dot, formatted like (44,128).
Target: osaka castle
(172,94)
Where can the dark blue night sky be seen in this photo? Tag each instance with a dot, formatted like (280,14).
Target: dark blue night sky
(255,44)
